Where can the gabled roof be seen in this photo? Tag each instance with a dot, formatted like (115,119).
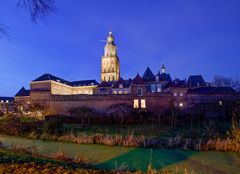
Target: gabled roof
(148,75)
(23,92)
(46,77)
(138,80)
(5,99)
(212,90)
(84,83)
(196,81)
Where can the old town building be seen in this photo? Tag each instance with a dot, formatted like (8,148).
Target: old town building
(6,105)
(155,92)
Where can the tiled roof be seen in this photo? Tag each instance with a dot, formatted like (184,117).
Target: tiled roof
(23,92)
(148,75)
(177,83)
(196,81)
(45,77)
(138,80)
(84,83)
(125,83)
(164,77)
(4,99)
(105,84)
(212,90)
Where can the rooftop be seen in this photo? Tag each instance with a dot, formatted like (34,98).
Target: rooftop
(46,77)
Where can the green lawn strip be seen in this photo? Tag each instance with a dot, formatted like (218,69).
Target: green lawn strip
(211,162)
(105,157)
(8,156)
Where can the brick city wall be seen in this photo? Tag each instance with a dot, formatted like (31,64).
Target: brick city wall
(60,104)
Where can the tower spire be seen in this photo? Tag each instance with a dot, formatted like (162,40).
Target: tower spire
(110,39)
(110,68)
(163,69)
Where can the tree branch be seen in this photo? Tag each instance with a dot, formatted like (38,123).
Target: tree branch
(38,9)
(3,31)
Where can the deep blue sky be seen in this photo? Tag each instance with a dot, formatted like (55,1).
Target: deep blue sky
(189,37)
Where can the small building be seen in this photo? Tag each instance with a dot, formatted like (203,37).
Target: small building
(6,105)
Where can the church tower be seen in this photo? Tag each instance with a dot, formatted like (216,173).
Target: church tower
(110,66)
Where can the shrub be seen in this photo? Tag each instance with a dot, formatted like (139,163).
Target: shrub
(52,126)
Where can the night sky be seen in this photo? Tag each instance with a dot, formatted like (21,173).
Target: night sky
(189,37)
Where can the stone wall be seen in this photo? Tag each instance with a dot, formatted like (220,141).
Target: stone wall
(60,104)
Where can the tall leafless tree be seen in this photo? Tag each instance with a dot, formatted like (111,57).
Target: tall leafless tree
(38,9)
(120,109)
(222,81)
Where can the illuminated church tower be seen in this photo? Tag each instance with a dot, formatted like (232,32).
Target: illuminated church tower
(110,67)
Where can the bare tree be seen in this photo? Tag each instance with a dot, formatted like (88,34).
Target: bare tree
(83,111)
(38,9)
(38,110)
(121,109)
(3,31)
(221,81)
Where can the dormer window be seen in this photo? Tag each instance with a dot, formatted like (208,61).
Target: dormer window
(120,85)
(58,80)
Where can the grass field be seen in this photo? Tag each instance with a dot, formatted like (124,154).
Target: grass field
(138,158)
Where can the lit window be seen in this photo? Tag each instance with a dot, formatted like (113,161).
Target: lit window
(114,92)
(119,92)
(220,103)
(175,94)
(181,94)
(181,104)
(135,103)
(7,101)
(143,103)
(120,85)
(139,92)
(1,101)
(125,92)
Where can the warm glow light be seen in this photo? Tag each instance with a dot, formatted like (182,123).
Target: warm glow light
(143,103)
(135,103)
